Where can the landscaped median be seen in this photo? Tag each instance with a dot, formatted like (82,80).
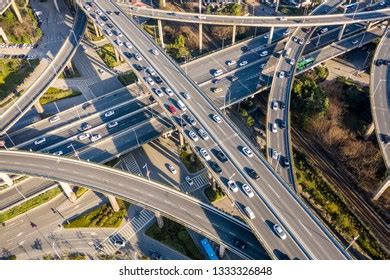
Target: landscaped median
(54,94)
(107,54)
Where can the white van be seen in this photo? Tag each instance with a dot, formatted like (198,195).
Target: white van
(181,105)
(249,213)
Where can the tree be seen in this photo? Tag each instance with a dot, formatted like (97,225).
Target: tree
(332,209)
(180,41)
(250,121)
(244,113)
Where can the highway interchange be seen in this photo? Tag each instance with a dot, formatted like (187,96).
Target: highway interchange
(232,143)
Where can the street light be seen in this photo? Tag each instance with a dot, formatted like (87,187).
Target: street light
(351,243)
(147,170)
(74,150)
(6,134)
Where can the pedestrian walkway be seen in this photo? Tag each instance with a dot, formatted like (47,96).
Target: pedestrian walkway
(129,164)
(200,181)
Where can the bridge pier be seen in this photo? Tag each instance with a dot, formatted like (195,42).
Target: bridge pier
(271,34)
(163,3)
(369,131)
(3,36)
(200,37)
(118,57)
(341,32)
(97,30)
(234,34)
(382,189)
(7,179)
(181,139)
(38,106)
(16,11)
(221,251)
(70,68)
(276,5)
(160,221)
(160,33)
(113,202)
(68,191)
(369,25)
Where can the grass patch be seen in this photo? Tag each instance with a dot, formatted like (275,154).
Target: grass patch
(13,72)
(191,161)
(102,216)
(107,54)
(292,11)
(29,204)
(175,236)
(54,94)
(127,78)
(212,195)
(79,191)
(332,208)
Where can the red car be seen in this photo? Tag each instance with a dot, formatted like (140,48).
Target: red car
(172,109)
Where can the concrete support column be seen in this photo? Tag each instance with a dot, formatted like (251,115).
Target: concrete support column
(3,36)
(163,3)
(382,189)
(234,34)
(369,25)
(113,202)
(200,37)
(213,184)
(181,139)
(68,191)
(160,33)
(160,221)
(118,57)
(276,5)
(271,34)
(7,179)
(70,68)
(369,131)
(16,11)
(341,32)
(97,30)
(221,251)
(38,106)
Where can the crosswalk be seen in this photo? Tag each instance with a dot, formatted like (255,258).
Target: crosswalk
(129,164)
(200,181)
(126,232)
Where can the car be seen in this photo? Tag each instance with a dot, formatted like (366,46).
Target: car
(283,19)
(274,105)
(171,168)
(295,39)
(118,33)
(232,186)
(156,256)
(266,36)
(95,137)
(112,124)
(109,32)
(230,62)
(180,104)
(384,138)
(54,119)
(202,133)
(155,52)
(138,56)
(221,156)
(286,163)
(84,47)
(274,153)
(87,7)
(149,80)
(217,118)
(151,71)
(232,78)
(281,74)
(109,113)
(247,190)
(291,61)
(252,173)
(172,109)
(109,12)
(301,41)
(215,81)
(245,48)
(379,62)
(158,92)
(354,42)
(274,128)
(40,141)
(138,67)
(216,89)
(117,13)
(168,91)
(279,231)
(191,120)
(264,53)
(286,32)
(288,74)
(217,72)
(158,79)
(282,124)
(109,25)
(118,242)
(85,126)
(247,152)
(83,136)
(215,167)
(248,211)
(324,30)
(58,153)
(128,45)
(101,71)
(99,12)
(127,54)
(243,63)
(282,105)
(193,135)
(238,243)
(204,154)
(189,180)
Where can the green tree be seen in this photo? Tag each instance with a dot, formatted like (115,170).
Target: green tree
(250,121)
(332,209)
(180,41)
(244,113)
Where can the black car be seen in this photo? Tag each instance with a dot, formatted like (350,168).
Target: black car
(253,174)
(282,124)
(215,81)
(117,13)
(288,74)
(221,156)
(245,48)
(156,256)
(282,105)
(286,163)
(215,167)
(138,67)
(158,80)
(238,243)
(127,54)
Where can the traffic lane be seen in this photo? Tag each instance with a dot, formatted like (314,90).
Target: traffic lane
(74,129)
(71,115)
(194,215)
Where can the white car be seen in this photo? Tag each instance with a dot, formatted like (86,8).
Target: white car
(247,152)
(283,19)
(274,128)
(158,92)
(119,34)
(119,42)
(264,53)
(168,91)
(83,136)
(151,71)
(171,168)
(189,180)
(112,124)
(85,126)
(193,136)
(40,141)
(292,61)
(217,72)
(155,52)
(205,154)
(186,96)
(285,33)
(274,105)
(324,30)
(354,42)
(281,74)
(87,7)
(96,137)
(58,153)
(274,153)
(202,133)
(54,119)
(138,56)
(230,62)
(149,80)
(109,32)
(243,63)
(280,232)
(109,113)
(232,186)
(217,118)
(247,190)
(128,45)
(99,12)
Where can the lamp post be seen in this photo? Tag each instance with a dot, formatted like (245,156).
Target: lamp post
(74,150)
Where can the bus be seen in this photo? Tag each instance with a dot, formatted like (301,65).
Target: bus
(208,249)
(303,63)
